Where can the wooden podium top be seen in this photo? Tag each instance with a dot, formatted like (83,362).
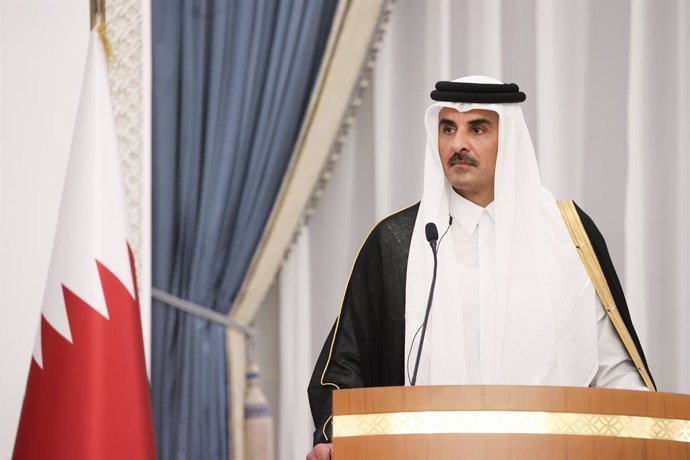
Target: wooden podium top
(509,422)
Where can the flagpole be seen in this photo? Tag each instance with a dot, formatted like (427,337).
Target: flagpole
(98,23)
(97,12)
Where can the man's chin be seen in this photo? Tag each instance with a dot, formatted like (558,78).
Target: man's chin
(460,189)
(461,180)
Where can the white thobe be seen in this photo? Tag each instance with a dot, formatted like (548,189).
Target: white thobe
(473,238)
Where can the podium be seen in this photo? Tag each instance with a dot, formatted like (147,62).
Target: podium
(509,422)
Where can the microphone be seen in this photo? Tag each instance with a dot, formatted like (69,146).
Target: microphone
(431,234)
(432,237)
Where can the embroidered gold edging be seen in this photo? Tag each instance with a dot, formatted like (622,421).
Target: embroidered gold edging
(596,274)
(511,422)
(323,430)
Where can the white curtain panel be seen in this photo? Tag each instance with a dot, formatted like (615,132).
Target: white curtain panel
(657,218)
(295,346)
(607,107)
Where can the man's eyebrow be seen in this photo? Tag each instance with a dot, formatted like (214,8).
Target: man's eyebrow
(446,121)
(480,121)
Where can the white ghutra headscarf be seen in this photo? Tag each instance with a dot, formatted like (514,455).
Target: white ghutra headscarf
(540,324)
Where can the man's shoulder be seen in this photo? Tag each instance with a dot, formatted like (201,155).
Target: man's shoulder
(393,233)
(405,217)
(388,244)
(398,225)
(587,223)
(589,226)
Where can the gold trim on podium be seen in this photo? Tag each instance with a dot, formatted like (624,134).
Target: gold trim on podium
(510,422)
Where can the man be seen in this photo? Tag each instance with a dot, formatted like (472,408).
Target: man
(513,301)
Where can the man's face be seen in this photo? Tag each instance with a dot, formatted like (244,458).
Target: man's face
(468,146)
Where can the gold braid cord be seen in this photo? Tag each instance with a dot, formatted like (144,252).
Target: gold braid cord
(101,29)
(596,274)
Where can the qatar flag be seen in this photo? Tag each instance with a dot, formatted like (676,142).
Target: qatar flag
(87,396)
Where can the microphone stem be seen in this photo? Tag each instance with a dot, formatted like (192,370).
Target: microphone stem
(426,316)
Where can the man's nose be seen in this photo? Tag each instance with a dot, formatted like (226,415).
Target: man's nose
(459,142)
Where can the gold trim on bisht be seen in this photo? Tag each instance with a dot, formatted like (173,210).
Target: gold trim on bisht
(511,422)
(596,274)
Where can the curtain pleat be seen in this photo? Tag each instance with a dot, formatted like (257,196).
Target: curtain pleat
(657,222)
(231,82)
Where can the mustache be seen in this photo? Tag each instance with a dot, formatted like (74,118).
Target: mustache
(462,157)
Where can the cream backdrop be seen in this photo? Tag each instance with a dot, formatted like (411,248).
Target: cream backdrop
(607,107)
(32,172)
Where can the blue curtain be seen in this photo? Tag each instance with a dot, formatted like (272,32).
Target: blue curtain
(231,82)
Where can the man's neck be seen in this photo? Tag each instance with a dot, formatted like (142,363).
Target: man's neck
(480,199)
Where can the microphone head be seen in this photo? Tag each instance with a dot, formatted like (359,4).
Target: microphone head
(431,232)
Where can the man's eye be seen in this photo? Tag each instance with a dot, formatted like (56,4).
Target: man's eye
(477,130)
(448,130)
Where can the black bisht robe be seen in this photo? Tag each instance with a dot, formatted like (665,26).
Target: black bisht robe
(369,346)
